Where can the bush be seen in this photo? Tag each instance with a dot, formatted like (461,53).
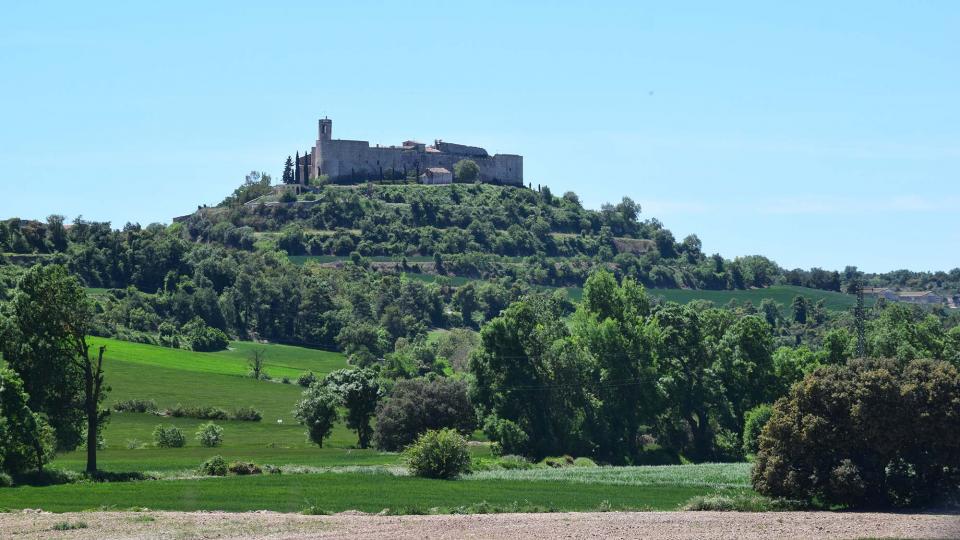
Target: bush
(584,462)
(215,466)
(754,421)
(210,435)
(168,437)
(508,437)
(741,502)
(438,454)
(135,405)
(511,462)
(204,338)
(873,433)
(306,379)
(418,405)
(5,480)
(248,414)
(244,468)
(198,412)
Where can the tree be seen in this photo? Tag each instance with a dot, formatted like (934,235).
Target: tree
(694,391)
(418,405)
(287,177)
(872,433)
(257,358)
(45,342)
(466,171)
(26,440)
(359,391)
(317,410)
(530,372)
(296,170)
(799,309)
(611,323)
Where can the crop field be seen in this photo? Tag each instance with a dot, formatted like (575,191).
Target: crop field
(369,492)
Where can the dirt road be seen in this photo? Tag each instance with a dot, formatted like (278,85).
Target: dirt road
(667,525)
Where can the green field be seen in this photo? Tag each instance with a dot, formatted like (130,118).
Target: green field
(334,492)
(172,376)
(331,481)
(782,294)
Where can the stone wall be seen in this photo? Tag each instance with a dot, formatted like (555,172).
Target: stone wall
(357,160)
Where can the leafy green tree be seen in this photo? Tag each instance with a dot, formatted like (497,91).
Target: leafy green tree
(465,298)
(418,405)
(686,369)
(611,322)
(26,440)
(745,366)
(359,391)
(799,306)
(317,410)
(756,419)
(771,312)
(45,342)
(872,433)
(466,171)
(529,372)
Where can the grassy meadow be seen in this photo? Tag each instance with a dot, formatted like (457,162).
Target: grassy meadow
(334,478)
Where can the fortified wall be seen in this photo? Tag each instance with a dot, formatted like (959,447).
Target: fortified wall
(345,160)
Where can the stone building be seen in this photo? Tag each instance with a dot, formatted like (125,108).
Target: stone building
(436,175)
(356,161)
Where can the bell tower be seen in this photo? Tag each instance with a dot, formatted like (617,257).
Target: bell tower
(325,132)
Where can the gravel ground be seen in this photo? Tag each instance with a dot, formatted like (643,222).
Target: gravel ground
(667,525)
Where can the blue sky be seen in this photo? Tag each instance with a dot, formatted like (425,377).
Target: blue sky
(821,134)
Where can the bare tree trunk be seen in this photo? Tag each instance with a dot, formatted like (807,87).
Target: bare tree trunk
(93,382)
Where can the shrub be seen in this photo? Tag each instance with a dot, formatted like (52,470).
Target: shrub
(873,433)
(584,462)
(754,421)
(215,466)
(68,526)
(244,468)
(511,462)
(288,197)
(210,435)
(438,454)
(508,436)
(198,412)
(168,437)
(204,338)
(5,480)
(135,405)
(418,405)
(306,379)
(740,502)
(248,414)
(285,380)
